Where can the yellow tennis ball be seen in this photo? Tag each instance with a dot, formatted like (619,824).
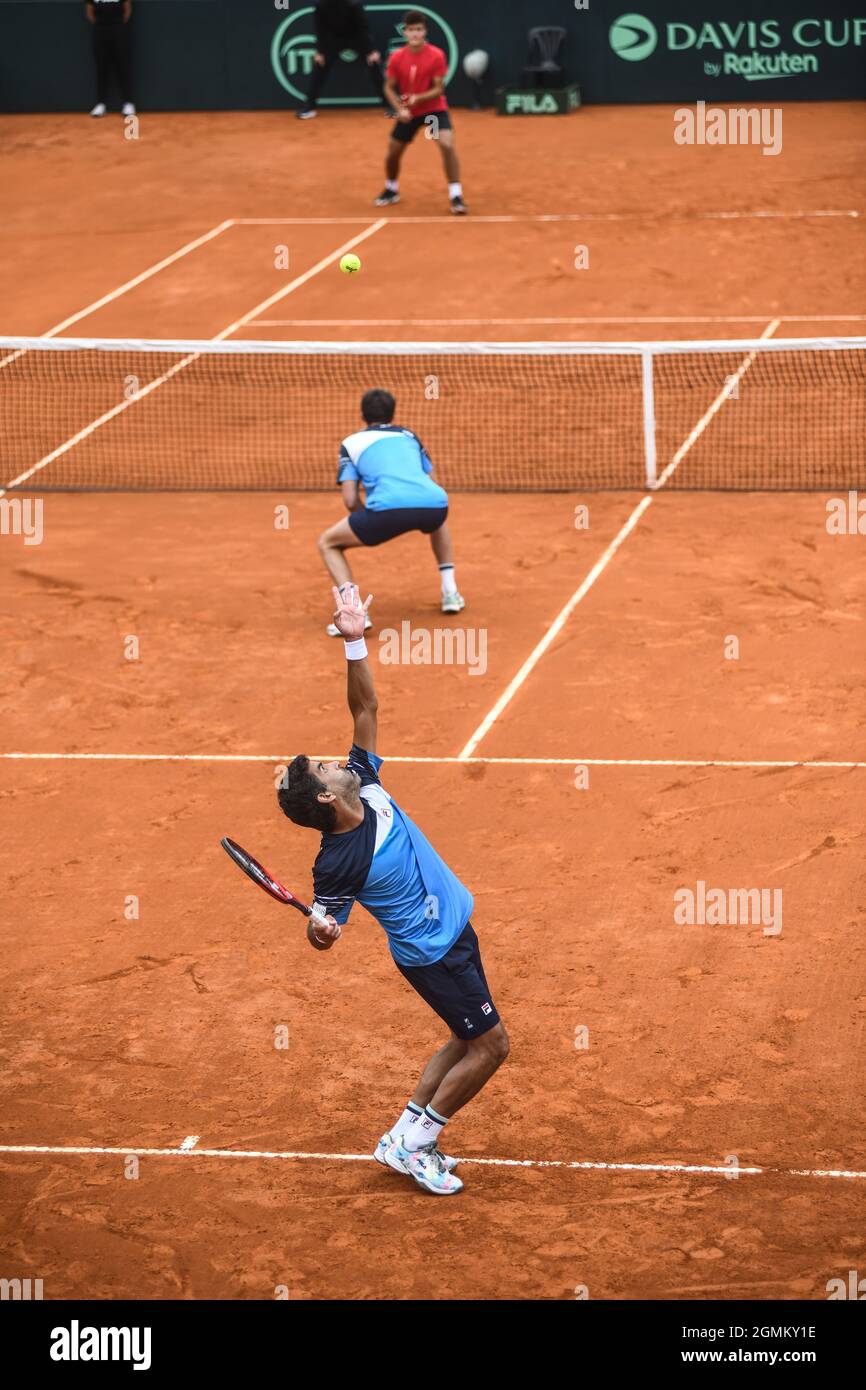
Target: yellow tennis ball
(350,264)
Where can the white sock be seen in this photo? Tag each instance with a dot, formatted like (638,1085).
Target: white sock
(449,583)
(391,185)
(455,190)
(426,1130)
(407,1119)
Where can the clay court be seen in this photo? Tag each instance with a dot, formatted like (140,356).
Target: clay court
(609,753)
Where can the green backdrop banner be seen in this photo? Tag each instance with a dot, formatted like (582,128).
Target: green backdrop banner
(252,54)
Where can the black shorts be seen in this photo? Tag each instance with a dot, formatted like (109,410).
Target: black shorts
(405,131)
(372,528)
(456,988)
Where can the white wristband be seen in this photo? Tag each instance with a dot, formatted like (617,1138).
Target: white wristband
(357,650)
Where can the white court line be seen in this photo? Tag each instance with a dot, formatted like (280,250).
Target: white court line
(128,285)
(555,628)
(559,622)
(585,1164)
(396,758)
(727,391)
(602,318)
(550,217)
(191,357)
(102,420)
(302,279)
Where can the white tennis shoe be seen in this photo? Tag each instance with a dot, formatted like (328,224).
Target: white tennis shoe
(387,1141)
(99,109)
(453,603)
(426,1165)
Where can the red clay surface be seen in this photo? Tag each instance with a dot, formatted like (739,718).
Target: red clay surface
(704,1041)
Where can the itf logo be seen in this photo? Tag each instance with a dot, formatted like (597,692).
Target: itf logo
(633,37)
(293,47)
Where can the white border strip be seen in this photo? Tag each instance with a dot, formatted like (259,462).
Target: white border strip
(585,1164)
(304,348)
(674,215)
(396,758)
(276,758)
(551,322)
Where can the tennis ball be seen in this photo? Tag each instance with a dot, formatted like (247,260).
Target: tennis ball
(350,264)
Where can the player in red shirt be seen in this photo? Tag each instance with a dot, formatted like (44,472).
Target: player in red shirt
(415,88)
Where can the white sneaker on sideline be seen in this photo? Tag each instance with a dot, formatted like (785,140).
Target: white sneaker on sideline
(128,108)
(386,1142)
(426,1165)
(99,109)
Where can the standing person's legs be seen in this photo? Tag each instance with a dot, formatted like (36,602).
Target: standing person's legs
(317,83)
(455,1074)
(377,77)
(102,58)
(440,540)
(452,169)
(403,135)
(456,988)
(393,159)
(473,1070)
(332,545)
(121,53)
(431,1078)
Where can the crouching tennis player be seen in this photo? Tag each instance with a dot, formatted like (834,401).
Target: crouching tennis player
(392,466)
(372,851)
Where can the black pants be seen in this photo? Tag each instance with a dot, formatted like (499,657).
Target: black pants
(331,56)
(113,53)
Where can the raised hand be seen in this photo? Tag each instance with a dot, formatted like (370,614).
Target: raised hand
(350,614)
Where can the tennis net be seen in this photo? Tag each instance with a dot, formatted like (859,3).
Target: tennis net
(105,414)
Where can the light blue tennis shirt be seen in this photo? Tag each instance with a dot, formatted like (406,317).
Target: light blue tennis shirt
(393,871)
(393,466)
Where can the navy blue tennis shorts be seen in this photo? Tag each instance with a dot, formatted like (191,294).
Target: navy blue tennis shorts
(456,988)
(372,528)
(405,131)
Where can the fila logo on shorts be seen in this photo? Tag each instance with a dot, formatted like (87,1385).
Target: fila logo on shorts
(487,1008)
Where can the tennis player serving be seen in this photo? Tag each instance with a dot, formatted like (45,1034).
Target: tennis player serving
(371,851)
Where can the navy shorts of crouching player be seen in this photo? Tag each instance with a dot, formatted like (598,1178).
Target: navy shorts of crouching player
(372,852)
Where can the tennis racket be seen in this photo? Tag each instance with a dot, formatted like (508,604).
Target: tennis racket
(253,869)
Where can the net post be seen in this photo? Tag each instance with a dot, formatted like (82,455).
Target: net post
(649,419)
